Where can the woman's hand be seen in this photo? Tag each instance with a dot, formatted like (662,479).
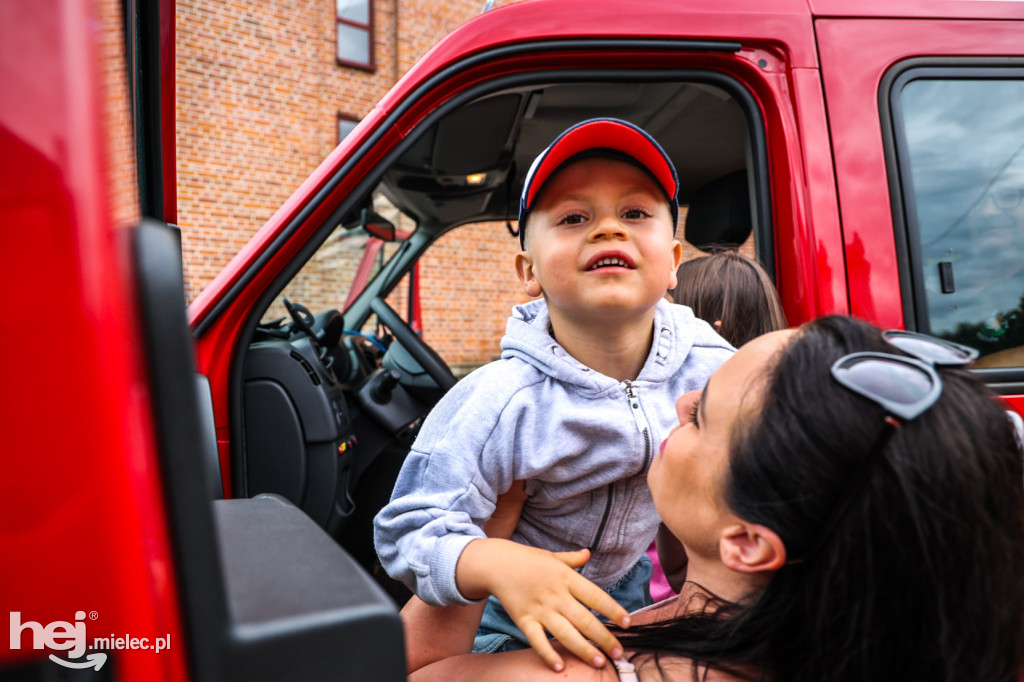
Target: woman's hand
(543,593)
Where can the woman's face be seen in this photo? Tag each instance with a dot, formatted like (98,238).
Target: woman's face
(687,476)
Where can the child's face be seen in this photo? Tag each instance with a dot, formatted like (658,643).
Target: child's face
(599,242)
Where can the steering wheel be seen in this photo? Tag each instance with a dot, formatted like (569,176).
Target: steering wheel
(426,356)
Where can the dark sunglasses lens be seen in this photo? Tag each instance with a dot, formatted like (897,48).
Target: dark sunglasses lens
(893,382)
(936,351)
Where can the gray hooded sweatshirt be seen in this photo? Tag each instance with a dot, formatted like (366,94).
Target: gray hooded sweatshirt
(582,441)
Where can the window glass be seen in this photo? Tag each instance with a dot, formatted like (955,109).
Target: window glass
(345,126)
(354,10)
(963,144)
(353,44)
(349,258)
(355,32)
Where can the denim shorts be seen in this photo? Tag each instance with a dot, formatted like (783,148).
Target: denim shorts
(499,633)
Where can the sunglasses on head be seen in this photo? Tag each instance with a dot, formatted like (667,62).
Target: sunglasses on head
(905,387)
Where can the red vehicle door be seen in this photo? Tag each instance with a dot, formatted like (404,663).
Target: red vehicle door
(120,559)
(926,124)
(87,573)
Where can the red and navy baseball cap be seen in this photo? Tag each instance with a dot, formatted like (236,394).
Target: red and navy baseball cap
(606,138)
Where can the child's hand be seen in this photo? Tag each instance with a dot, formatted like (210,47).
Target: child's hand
(541,592)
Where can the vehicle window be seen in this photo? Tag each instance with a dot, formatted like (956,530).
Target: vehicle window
(348,258)
(465,309)
(960,147)
(466,170)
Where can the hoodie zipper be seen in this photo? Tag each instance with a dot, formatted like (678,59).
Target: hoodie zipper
(641,421)
(632,395)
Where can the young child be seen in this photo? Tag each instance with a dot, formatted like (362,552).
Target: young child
(584,391)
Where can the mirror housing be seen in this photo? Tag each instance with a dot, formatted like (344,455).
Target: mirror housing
(371,222)
(377,225)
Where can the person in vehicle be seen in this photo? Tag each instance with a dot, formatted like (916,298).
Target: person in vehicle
(852,509)
(737,296)
(732,292)
(575,407)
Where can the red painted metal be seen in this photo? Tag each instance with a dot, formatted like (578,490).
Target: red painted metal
(822,267)
(365,267)
(415,320)
(167,111)
(82,507)
(919,9)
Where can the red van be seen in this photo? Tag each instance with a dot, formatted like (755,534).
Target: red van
(188,492)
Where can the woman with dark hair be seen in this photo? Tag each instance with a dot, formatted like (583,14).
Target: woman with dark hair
(735,295)
(732,292)
(852,507)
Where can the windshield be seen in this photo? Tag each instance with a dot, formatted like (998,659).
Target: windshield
(342,266)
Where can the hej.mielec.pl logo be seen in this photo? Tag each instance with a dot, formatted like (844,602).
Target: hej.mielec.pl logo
(70,637)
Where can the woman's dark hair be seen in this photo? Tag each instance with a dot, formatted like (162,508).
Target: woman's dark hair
(921,577)
(734,289)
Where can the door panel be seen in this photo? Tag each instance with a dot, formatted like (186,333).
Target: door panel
(895,139)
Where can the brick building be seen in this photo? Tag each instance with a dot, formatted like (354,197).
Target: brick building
(265,88)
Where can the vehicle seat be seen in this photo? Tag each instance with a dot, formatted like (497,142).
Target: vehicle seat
(719,213)
(208,433)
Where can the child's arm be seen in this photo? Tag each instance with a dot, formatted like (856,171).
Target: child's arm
(433,633)
(541,592)
(672,557)
(446,488)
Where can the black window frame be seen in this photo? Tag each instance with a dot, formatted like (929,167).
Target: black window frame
(907,234)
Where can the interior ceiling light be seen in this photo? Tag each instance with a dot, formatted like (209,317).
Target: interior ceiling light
(476,178)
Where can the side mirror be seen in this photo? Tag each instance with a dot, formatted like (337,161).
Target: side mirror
(377,225)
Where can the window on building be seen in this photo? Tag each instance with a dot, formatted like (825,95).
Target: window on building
(959,136)
(355,33)
(346,124)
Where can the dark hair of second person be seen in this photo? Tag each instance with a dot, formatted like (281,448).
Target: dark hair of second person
(731,291)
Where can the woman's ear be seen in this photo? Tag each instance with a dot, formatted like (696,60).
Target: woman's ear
(751,548)
(717,324)
(524,268)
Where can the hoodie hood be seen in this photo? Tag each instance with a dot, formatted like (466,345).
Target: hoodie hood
(676,331)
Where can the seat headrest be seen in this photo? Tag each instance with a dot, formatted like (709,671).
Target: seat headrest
(719,213)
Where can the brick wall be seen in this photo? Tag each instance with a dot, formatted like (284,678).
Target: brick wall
(470,273)
(258,95)
(117,124)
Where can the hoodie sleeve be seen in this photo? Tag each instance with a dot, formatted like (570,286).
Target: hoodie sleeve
(461,461)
